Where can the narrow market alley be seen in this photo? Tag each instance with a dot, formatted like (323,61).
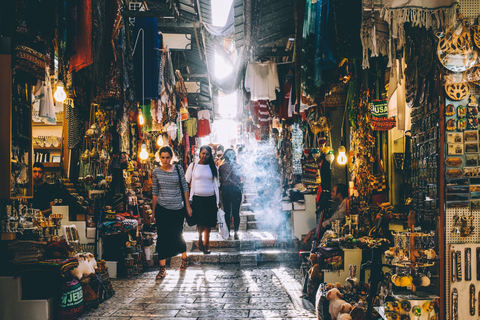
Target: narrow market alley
(227,291)
(257,276)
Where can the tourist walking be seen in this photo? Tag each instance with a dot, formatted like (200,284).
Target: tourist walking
(231,177)
(203,178)
(167,200)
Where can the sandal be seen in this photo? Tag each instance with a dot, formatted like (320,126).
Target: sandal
(162,273)
(184,264)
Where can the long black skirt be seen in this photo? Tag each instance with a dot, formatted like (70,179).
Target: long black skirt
(170,241)
(205,211)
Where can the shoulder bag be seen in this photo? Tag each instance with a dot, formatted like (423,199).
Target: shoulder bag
(190,220)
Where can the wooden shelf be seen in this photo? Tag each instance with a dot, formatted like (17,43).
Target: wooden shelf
(48,148)
(51,164)
(59,123)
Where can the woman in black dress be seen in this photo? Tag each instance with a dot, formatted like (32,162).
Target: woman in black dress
(169,210)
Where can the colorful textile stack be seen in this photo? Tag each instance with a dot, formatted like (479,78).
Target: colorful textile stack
(27,251)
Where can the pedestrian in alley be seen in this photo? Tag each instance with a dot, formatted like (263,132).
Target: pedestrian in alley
(219,156)
(167,199)
(204,195)
(232,177)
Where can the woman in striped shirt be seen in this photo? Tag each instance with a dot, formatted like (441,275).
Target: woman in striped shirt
(169,210)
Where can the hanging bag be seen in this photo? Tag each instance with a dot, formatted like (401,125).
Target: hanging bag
(222,224)
(190,220)
(378,181)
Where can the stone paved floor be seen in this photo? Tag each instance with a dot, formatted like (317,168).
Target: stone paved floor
(270,291)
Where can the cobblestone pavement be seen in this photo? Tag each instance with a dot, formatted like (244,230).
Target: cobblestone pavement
(270,291)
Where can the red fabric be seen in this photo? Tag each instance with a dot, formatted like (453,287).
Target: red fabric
(283,110)
(203,128)
(83,45)
(319,193)
(255,111)
(264,119)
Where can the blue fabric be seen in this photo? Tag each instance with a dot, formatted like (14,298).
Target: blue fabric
(151,44)
(324,58)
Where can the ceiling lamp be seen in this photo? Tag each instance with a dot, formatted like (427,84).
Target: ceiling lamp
(144,152)
(60,94)
(342,158)
(160,140)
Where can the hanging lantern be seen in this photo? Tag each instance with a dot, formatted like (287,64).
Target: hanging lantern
(330,156)
(144,152)
(342,158)
(60,94)
(160,140)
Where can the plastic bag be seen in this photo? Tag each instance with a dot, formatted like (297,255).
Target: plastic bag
(222,224)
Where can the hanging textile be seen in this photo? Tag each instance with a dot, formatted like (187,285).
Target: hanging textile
(83,49)
(203,125)
(145,58)
(419,13)
(75,125)
(157,115)
(261,79)
(44,100)
(30,61)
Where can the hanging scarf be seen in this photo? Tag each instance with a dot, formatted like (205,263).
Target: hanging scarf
(419,13)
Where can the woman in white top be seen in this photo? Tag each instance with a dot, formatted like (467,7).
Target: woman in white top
(204,195)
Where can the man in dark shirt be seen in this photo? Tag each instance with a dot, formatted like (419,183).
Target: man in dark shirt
(43,193)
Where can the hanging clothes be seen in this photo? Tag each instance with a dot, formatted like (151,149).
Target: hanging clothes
(261,79)
(264,118)
(83,40)
(286,108)
(157,115)
(145,58)
(44,100)
(171,129)
(191,126)
(203,124)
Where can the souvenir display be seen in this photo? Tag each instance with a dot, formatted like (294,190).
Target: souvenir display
(449,110)
(454,161)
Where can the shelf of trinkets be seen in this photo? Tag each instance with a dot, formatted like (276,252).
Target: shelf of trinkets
(411,256)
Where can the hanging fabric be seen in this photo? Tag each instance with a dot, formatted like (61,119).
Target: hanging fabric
(44,100)
(145,58)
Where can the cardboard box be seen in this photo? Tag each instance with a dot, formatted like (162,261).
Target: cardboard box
(112,268)
(9,236)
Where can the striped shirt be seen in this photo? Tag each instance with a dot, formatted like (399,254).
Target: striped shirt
(167,188)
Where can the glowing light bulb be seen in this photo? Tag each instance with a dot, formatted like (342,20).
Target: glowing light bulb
(342,158)
(144,152)
(60,94)
(141,120)
(160,141)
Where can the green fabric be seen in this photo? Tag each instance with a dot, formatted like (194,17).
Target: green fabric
(147,115)
(190,126)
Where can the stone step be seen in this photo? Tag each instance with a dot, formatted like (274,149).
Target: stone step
(244,258)
(246,206)
(249,196)
(242,226)
(248,240)
(260,225)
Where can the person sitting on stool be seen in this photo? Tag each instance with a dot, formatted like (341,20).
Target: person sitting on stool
(340,196)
